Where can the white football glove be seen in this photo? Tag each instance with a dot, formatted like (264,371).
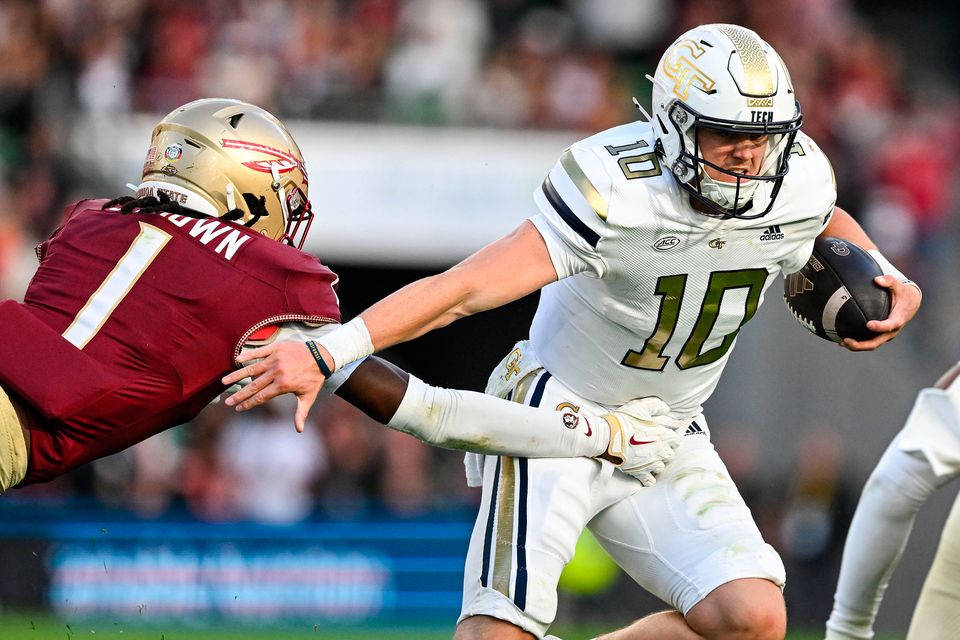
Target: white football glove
(643,438)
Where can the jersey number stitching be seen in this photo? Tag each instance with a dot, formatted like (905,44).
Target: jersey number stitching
(671,289)
(114,288)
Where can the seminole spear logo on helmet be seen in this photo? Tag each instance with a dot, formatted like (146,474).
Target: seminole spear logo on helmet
(282,161)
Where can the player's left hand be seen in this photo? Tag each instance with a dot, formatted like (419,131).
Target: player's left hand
(906,303)
(280,367)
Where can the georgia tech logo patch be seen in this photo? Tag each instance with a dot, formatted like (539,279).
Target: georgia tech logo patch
(666,243)
(716,243)
(513,364)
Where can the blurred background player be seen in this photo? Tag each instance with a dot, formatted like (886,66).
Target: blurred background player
(140,305)
(650,249)
(923,457)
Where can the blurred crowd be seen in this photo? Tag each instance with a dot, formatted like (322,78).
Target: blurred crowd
(877,109)
(889,126)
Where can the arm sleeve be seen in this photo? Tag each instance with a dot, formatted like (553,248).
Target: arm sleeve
(480,423)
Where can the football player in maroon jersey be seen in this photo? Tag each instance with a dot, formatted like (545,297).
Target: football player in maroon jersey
(141,305)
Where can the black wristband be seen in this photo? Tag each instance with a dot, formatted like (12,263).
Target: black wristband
(315,352)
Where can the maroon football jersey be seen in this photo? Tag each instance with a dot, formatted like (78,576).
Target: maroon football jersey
(131,321)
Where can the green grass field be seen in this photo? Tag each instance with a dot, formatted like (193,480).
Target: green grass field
(24,626)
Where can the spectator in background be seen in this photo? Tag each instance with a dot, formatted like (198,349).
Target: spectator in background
(61,58)
(814,516)
(271,470)
(437,57)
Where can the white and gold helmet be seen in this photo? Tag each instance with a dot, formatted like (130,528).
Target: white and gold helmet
(726,78)
(217,156)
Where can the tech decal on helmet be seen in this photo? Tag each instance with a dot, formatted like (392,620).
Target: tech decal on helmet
(725,78)
(218,155)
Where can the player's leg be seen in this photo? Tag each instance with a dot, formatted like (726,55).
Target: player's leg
(745,608)
(531,515)
(896,489)
(924,456)
(691,540)
(14,444)
(937,614)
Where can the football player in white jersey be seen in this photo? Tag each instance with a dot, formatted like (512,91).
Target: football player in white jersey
(653,245)
(923,457)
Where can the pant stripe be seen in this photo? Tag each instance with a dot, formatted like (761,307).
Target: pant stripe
(538,390)
(503,510)
(520,592)
(520,588)
(488,538)
(504,543)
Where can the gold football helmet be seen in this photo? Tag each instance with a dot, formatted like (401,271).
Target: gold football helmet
(218,155)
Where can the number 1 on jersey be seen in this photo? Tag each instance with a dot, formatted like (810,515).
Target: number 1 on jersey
(142,251)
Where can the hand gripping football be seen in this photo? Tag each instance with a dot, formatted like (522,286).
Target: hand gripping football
(834,295)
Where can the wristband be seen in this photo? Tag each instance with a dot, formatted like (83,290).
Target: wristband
(348,343)
(889,270)
(315,352)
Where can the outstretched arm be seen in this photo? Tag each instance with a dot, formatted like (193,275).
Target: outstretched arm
(638,437)
(906,295)
(468,420)
(504,271)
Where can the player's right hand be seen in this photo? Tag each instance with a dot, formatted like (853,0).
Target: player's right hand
(277,368)
(643,437)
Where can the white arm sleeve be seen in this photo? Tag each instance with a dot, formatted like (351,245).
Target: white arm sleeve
(473,421)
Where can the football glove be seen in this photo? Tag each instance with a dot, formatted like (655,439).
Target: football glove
(643,438)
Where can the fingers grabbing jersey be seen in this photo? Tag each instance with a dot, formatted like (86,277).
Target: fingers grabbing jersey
(652,292)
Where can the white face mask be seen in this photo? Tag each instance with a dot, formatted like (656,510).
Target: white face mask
(725,193)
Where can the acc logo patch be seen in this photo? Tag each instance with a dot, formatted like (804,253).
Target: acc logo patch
(666,243)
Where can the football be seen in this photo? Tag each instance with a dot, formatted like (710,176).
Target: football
(834,295)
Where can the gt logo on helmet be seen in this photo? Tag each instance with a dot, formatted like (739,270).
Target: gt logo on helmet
(684,72)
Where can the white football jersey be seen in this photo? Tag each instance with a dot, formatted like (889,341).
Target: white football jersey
(652,292)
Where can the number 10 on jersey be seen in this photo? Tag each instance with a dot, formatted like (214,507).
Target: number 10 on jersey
(671,290)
